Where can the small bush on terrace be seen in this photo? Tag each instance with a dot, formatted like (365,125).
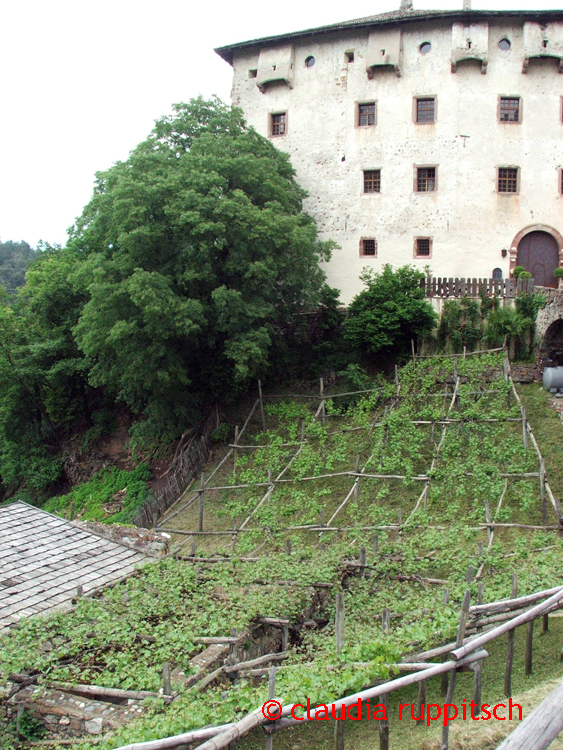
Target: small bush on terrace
(391,311)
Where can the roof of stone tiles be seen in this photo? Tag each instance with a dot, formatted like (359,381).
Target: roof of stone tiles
(385,19)
(43,559)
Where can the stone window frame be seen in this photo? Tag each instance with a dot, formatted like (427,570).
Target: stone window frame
(560,180)
(357,113)
(416,254)
(424,97)
(518,172)
(415,178)
(368,255)
(561,109)
(520,109)
(372,192)
(271,116)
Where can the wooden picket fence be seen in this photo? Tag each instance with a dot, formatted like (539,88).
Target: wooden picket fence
(184,469)
(453,287)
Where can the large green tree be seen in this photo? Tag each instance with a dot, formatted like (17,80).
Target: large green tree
(193,251)
(14,259)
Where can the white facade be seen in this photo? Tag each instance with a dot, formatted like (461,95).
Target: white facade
(467,219)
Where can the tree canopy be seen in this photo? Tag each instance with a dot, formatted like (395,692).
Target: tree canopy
(14,259)
(170,294)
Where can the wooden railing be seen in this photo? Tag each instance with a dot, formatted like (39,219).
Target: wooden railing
(450,287)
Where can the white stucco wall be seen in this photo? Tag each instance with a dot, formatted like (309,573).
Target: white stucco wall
(468,221)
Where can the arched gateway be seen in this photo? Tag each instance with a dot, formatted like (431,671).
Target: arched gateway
(538,252)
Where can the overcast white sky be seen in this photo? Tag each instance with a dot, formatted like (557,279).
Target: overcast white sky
(81,83)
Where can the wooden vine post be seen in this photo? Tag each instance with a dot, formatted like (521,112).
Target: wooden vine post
(543,493)
(529,643)
(322,394)
(235,454)
(459,642)
(201,501)
(383,725)
(166,685)
(510,646)
(271,696)
(262,415)
(339,622)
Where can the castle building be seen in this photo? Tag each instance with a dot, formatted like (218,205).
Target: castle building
(425,137)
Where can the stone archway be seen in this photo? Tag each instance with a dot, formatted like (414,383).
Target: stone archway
(539,249)
(552,344)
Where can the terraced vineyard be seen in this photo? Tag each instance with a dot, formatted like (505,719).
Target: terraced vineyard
(417,469)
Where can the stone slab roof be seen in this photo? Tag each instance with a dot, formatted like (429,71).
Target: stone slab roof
(43,559)
(389,19)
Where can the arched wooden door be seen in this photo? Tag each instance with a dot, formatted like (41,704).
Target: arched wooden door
(538,252)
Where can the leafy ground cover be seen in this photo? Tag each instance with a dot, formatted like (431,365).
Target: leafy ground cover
(122,638)
(111,496)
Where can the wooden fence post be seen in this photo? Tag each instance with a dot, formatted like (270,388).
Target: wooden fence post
(339,622)
(529,642)
(235,454)
(477,683)
(288,547)
(510,646)
(488,520)
(271,696)
(363,562)
(386,619)
(542,491)
(459,642)
(262,415)
(383,727)
(322,391)
(201,501)
(375,545)
(524,428)
(233,654)
(357,480)
(545,624)
(421,701)
(167,690)
(339,730)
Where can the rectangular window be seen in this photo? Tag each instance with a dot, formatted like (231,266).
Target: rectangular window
(425,179)
(366,114)
(253,73)
(509,109)
(278,123)
(507,181)
(368,247)
(425,110)
(561,181)
(422,247)
(349,57)
(372,181)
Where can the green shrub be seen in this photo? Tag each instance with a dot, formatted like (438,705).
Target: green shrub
(525,275)
(558,273)
(106,486)
(517,271)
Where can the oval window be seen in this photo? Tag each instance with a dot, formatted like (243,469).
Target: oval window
(425,48)
(504,44)
(309,61)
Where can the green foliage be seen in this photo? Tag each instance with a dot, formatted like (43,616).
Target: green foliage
(524,275)
(128,488)
(15,257)
(528,305)
(460,325)
(194,248)
(30,728)
(518,271)
(510,323)
(391,311)
(558,273)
